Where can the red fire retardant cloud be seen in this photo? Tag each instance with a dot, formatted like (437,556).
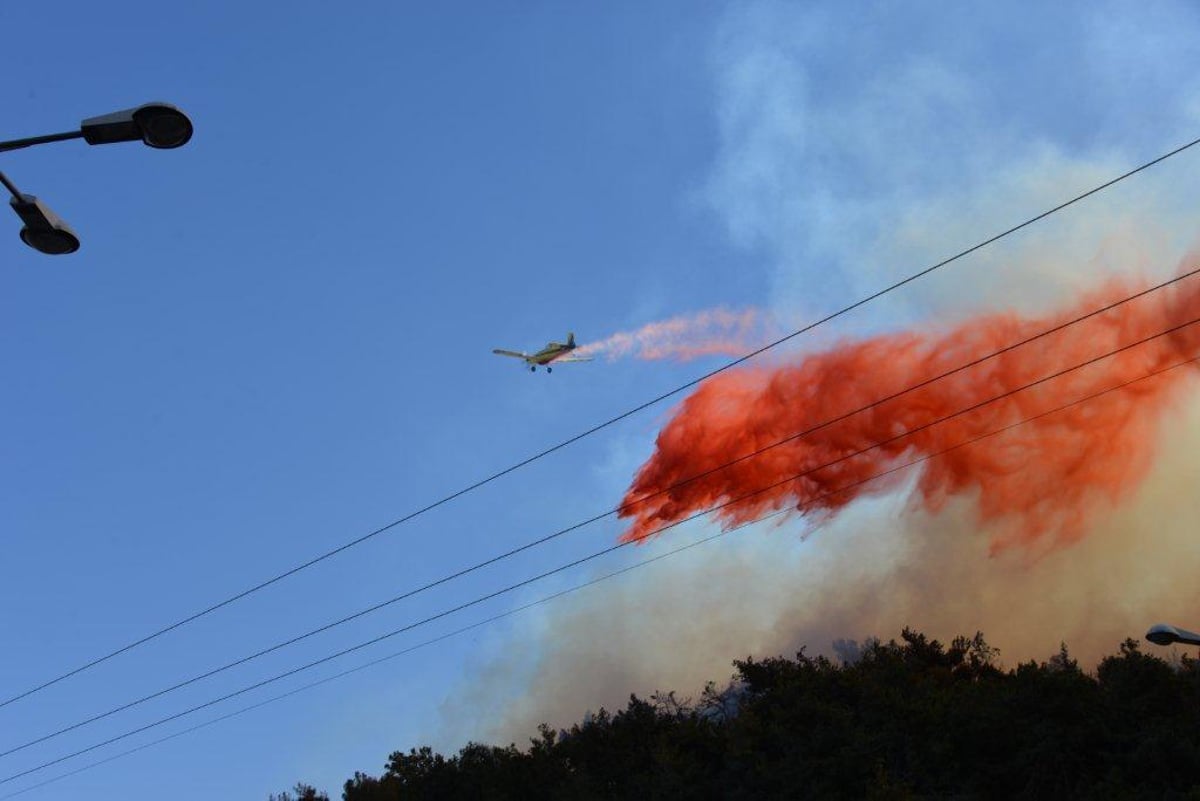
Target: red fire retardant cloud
(1035,486)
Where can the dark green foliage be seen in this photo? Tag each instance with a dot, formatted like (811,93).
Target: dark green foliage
(913,719)
(301,792)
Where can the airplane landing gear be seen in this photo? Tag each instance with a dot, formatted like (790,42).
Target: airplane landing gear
(548,369)
(533,368)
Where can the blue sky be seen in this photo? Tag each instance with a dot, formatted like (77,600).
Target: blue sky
(278,337)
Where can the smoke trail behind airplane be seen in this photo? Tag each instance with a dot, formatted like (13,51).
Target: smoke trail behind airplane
(1038,487)
(712,332)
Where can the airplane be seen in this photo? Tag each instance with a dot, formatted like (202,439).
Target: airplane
(553,352)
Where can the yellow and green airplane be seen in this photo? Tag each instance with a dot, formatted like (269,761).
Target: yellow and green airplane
(553,352)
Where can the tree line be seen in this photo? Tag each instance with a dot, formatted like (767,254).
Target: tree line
(907,719)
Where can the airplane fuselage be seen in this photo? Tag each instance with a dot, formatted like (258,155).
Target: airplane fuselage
(549,353)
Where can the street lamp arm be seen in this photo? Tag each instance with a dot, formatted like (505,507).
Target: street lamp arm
(17,144)
(10,186)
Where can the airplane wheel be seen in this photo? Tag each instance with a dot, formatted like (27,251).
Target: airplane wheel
(533,368)
(548,370)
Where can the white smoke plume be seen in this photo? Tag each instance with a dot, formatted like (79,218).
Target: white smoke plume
(847,162)
(679,622)
(713,332)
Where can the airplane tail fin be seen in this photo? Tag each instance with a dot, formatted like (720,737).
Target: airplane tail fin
(570,339)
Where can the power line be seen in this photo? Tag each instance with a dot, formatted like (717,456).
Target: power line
(395,655)
(618,546)
(554,596)
(567,442)
(527,546)
(577,587)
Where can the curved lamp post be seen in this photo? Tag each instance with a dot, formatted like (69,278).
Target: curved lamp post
(158,125)
(1162,634)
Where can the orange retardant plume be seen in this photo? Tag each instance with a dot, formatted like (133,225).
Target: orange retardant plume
(1035,485)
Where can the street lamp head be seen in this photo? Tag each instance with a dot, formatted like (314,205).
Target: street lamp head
(1162,634)
(159,125)
(44,231)
(163,126)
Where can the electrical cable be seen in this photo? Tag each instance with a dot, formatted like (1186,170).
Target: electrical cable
(618,546)
(585,585)
(527,546)
(395,655)
(600,426)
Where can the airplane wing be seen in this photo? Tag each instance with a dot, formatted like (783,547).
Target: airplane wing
(517,354)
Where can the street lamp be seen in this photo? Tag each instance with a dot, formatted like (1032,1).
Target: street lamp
(44,231)
(1162,634)
(158,125)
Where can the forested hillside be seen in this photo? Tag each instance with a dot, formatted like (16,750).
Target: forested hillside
(907,719)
